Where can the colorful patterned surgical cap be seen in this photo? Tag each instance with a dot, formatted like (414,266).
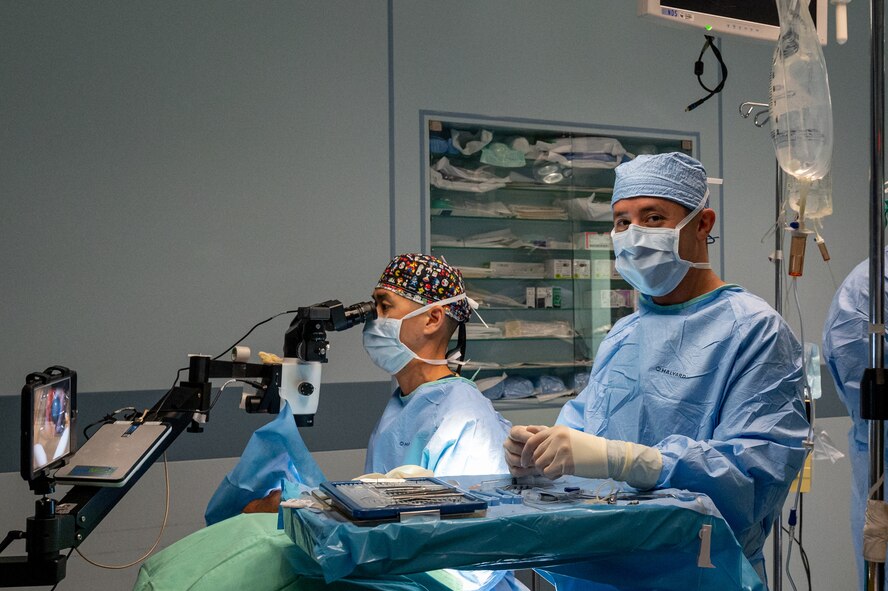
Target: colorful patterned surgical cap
(425,279)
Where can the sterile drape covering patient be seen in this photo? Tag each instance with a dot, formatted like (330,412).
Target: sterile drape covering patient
(700,389)
(275,452)
(435,419)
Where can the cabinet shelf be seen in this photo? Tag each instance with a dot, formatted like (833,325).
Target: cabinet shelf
(532,402)
(563,339)
(525,309)
(565,220)
(475,366)
(593,281)
(575,252)
(527,249)
(543,188)
(470,279)
(481,232)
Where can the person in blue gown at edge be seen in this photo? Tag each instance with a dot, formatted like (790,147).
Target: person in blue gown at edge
(436,422)
(699,389)
(847,354)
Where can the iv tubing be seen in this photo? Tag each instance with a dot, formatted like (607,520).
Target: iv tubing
(809,443)
(804,186)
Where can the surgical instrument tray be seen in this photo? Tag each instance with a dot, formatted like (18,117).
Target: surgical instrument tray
(390,498)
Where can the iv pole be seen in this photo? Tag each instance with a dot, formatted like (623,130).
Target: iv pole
(760,119)
(777,530)
(874,397)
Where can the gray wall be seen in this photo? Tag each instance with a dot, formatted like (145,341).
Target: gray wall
(174,172)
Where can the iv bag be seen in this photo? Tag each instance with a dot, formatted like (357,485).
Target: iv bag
(818,203)
(812,369)
(800,108)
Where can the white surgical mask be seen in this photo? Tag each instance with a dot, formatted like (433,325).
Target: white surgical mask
(382,340)
(648,257)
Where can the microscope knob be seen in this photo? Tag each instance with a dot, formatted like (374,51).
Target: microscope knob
(306,388)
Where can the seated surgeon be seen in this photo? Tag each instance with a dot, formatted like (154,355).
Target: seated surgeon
(435,419)
(700,388)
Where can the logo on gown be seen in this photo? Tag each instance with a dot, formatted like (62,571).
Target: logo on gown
(670,372)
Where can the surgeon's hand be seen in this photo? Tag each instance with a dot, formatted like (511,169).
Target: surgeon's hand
(269,504)
(514,447)
(560,450)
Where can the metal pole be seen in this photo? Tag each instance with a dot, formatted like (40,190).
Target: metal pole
(876,570)
(777,531)
(778,242)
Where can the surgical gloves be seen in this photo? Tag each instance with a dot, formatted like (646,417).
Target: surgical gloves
(560,450)
(405,471)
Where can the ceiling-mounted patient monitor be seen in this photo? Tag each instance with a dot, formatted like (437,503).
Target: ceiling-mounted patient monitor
(756,19)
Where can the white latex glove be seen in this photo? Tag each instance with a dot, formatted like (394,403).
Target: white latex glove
(370,476)
(405,471)
(513,447)
(409,471)
(560,450)
(556,451)
(637,465)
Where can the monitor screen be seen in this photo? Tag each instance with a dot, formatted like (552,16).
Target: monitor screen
(48,417)
(749,18)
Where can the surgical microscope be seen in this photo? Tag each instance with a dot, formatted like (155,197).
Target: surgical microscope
(65,524)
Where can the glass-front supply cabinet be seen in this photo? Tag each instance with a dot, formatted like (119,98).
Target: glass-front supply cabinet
(525,214)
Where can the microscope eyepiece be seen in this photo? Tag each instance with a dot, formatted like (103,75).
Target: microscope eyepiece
(359,313)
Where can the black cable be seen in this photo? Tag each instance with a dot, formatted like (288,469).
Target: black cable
(251,330)
(103,421)
(801,548)
(801,509)
(698,71)
(10,538)
(256,385)
(805,564)
(110,418)
(460,346)
(252,383)
(163,400)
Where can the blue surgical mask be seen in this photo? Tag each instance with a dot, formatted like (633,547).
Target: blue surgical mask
(648,257)
(382,340)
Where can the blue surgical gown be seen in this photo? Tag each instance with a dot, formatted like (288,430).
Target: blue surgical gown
(449,427)
(446,426)
(846,351)
(715,384)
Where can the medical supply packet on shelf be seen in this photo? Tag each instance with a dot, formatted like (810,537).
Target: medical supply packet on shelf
(634,538)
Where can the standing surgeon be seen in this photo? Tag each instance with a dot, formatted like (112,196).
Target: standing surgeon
(435,422)
(847,354)
(700,389)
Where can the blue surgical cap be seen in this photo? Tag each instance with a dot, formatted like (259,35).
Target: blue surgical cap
(674,176)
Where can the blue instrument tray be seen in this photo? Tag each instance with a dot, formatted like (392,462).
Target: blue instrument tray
(387,499)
